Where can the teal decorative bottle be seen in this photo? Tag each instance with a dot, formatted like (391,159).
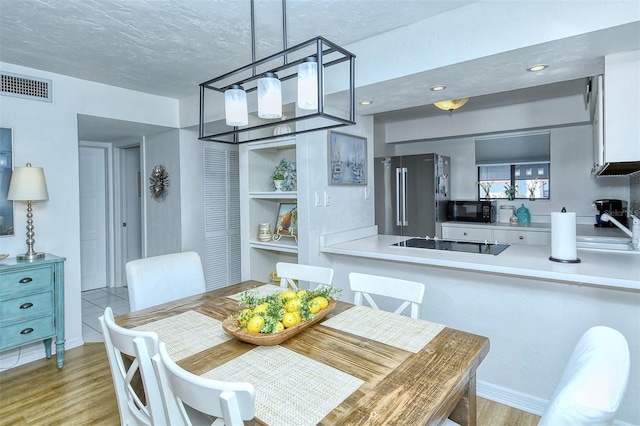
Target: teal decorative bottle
(524,217)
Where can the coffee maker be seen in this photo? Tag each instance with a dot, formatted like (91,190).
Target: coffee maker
(616,209)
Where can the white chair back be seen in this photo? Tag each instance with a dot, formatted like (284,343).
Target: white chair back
(594,381)
(159,279)
(231,402)
(410,292)
(118,342)
(288,272)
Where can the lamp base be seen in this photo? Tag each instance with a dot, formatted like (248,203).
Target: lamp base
(30,256)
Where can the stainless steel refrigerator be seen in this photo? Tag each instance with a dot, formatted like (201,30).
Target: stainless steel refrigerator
(411,194)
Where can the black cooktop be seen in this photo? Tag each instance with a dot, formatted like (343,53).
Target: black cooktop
(449,245)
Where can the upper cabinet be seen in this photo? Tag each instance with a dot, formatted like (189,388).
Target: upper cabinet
(617,137)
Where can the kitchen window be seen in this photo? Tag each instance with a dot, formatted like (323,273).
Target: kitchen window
(514,161)
(530,181)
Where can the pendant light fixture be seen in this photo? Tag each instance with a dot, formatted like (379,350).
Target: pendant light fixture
(451,105)
(235,106)
(266,83)
(308,84)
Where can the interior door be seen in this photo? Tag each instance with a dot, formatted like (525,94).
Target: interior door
(93,217)
(132,208)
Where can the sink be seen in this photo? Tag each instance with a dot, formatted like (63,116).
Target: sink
(604,243)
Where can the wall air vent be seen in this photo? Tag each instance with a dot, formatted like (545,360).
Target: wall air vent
(23,86)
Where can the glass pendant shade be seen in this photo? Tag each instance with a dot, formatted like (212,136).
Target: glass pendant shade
(269,96)
(235,106)
(308,84)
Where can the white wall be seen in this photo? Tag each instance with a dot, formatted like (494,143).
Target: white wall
(46,135)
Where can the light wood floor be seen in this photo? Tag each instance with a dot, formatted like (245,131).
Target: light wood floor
(82,394)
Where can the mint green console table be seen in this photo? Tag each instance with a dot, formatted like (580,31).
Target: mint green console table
(32,304)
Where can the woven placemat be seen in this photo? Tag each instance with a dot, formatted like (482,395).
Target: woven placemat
(187,333)
(262,291)
(290,388)
(391,329)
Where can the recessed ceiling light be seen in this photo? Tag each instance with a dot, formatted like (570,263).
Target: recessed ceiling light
(438,88)
(537,68)
(366,102)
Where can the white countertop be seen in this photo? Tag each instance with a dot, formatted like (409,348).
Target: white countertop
(601,268)
(581,230)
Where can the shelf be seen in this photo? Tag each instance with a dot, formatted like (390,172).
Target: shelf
(285,245)
(274,195)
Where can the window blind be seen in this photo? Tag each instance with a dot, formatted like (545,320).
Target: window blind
(522,149)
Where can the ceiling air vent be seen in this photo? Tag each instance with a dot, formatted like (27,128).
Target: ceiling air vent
(23,86)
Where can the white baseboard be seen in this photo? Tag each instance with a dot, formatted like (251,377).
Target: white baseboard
(26,354)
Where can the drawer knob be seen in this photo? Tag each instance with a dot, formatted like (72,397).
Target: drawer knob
(26,305)
(521,237)
(26,330)
(465,234)
(25,280)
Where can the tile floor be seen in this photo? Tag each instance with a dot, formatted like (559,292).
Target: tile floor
(93,304)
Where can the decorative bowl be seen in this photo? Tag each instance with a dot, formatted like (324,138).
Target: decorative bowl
(270,339)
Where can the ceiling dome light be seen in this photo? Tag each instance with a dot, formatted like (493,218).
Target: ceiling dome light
(438,88)
(366,102)
(452,104)
(269,96)
(536,68)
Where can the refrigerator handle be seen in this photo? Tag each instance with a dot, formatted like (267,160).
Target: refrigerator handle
(398,192)
(404,197)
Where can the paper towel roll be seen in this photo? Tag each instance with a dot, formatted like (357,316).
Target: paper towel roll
(563,236)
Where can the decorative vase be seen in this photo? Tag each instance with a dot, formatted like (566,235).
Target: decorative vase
(264,232)
(282,129)
(278,184)
(487,197)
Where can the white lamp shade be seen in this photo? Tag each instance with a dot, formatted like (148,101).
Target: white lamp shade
(28,184)
(269,96)
(308,84)
(235,106)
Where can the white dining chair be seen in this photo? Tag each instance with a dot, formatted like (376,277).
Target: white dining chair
(288,272)
(118,342)
(365,285)
(159,279)
(594,381)
(186,395)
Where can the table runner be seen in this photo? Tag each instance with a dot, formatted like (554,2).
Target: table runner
(262,291)
(187,333)
(290,388)
(394,330)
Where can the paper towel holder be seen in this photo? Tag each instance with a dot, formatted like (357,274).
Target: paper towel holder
(576,260)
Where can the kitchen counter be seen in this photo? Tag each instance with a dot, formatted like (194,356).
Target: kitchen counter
(601,268)
(581,230)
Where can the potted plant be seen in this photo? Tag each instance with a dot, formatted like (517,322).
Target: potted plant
(285,174)
(486,187)
(510,191)
(278,178)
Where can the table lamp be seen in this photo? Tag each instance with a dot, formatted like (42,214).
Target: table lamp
(28,185)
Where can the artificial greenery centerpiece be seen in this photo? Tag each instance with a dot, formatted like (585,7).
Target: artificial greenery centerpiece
(510,191)
(286,172)
(274,313)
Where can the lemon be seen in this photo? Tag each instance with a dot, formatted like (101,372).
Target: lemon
(279,327)
(301,293)
(314,307)
(289,319)
(322,301)
(289,294)
(255,324)
(244,316)
(261,308)
(298,316)
(292,305)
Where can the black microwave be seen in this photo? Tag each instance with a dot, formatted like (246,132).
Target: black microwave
(472,211)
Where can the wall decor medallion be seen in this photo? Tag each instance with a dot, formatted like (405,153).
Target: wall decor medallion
(158,183)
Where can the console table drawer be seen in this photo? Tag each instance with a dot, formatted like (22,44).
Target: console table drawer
(26,332)
(23,307)
(29,280)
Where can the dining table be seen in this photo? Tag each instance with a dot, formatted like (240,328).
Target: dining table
(357,366)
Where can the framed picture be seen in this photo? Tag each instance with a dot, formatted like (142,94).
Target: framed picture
(287,220)
(6,166)
(347,159)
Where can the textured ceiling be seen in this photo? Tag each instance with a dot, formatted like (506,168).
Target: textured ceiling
(168,47)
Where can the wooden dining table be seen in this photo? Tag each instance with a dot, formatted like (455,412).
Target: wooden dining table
(395,386)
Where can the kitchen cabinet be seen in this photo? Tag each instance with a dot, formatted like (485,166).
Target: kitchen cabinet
(617,108)
(32,304)
(495,232)
(260,204)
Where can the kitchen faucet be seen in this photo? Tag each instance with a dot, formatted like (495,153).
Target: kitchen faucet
(634,233)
